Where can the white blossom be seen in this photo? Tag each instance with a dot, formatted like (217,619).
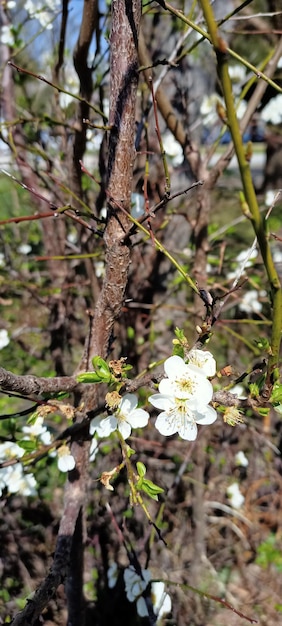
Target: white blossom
(37,9)
(160,599)
(270,197)
(112,575)
(204,360)
(135,585)
(10,450)
(138,203)
(241,459)
(126,417)
(238,390)
(24,248)
(250,302)
(183,399)
(235,496)
(172,148)
(99,268)
(16,481)
(36,429)
(93,449)
(13,476)
(4,338)
(272,112)
(66,461)
(7,37)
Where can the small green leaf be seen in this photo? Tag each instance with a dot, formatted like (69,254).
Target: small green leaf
(88,377)
(151,489)
(28,445)
(102,369)
(276,396)
(141,469)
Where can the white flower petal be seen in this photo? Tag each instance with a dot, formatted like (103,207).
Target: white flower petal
(205,415)
(235,496)
(4,338)
(188,430)
(161,401)
(204,360)
(66,463)
(128,403)
(165,425)
(103,426)
(161,599)
(138,418)
(124,429)
(174,364)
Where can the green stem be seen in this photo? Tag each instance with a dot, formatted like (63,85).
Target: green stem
(257,219)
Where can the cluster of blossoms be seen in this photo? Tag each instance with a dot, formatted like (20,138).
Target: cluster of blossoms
(184,397)
(12,476)
(135,586)
(185,394)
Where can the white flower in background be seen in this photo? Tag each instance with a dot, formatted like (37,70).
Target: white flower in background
(244,259)
(238,76)
(272,112)
(11,4)
(244,254)
(2,259)
(10,450)
(112,575)
(24,248)
(126,417)
(277,255)
(99,268)
(208,108)
(241,459)
(138,203)
(36,429)
(93,449)
(250,302)
(270,197)
(6,35)
(238,390)
(172,148)
(204,360)
(135,585)
(183,399)
(4,338)
(37,10)
(235,496)
(12,476)
(160,599)
(16,481)
(66,461)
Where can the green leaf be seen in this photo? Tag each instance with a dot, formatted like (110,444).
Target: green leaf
(276,396)
(141,469)
(88,377)
(102,369)
(28,445)
(151,489)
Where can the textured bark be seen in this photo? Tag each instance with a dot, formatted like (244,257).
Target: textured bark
(123,86)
